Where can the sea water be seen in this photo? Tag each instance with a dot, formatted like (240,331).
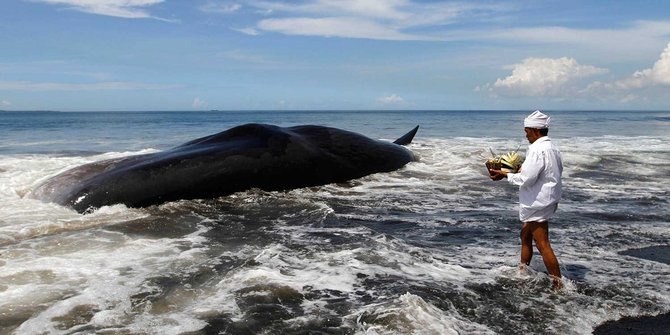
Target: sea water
(432,248)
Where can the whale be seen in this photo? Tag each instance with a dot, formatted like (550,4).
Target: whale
(249,156)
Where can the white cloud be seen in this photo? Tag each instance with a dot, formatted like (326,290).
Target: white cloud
(415,20)
(368,8)
(391,100)
(564,78)
(641,85)
(401,13)
(543,77)
(102,86)
(197,102)
(659,74)
(220,7)
(129,9)
(5,103)
(442,21)
(248,31)
(612,42)
(372,19)
(333,27)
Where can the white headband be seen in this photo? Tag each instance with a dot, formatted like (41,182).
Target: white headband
(537,120)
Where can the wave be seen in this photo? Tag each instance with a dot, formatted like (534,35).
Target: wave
(429,248)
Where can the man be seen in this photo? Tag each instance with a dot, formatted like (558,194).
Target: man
(539,181)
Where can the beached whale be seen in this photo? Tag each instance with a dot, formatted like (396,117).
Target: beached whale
(250,156)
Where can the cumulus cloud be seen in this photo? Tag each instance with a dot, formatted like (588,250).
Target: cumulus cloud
(5,103)
(129,9)
(638,86)
(391,100)
(543,77)
(101,86)
(565,78)
(659,74)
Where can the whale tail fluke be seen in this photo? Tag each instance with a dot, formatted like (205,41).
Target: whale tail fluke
(407,138)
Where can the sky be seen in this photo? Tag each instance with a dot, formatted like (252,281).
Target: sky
(189,55)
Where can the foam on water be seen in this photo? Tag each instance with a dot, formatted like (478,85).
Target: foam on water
(430,249)
(97,271)
(410,314)
(25,218)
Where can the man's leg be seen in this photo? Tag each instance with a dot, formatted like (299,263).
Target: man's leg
(540,232)
(526,245)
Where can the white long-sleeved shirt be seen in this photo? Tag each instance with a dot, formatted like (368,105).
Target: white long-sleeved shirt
(539,181)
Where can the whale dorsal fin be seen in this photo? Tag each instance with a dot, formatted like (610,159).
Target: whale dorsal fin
(407,138)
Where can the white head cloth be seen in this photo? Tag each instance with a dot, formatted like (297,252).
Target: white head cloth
(537,120)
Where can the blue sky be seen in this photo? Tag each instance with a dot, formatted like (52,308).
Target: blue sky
(325,54)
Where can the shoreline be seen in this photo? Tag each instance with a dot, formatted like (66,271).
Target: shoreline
(657,253)
(646,324)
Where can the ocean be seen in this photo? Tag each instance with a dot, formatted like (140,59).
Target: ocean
(432,248)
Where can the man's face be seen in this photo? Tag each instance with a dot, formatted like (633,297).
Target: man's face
(532,134)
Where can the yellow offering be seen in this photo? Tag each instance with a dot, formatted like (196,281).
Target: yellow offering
(508,162)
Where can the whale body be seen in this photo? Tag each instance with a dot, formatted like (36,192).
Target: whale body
(249,156)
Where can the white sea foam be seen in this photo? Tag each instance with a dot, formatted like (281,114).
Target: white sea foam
(80,272)
(438,223)
(410,314)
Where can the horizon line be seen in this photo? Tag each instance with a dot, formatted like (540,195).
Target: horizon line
(324,110)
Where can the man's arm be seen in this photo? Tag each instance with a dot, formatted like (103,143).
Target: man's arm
(530,170)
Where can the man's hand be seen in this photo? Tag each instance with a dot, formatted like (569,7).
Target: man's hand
(497,174)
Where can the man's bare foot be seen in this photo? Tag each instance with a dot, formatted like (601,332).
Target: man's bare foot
(523,268)
(556,283)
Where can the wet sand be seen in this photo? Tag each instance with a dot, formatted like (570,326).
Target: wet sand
(648,325)
(659,253)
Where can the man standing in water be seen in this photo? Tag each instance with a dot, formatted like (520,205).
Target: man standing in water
(539,181)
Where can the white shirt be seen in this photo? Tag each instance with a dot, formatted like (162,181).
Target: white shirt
(539,181)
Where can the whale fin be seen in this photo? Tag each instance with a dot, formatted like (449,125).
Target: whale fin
(407,138)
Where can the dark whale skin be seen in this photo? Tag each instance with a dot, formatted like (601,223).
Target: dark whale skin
(248,156)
